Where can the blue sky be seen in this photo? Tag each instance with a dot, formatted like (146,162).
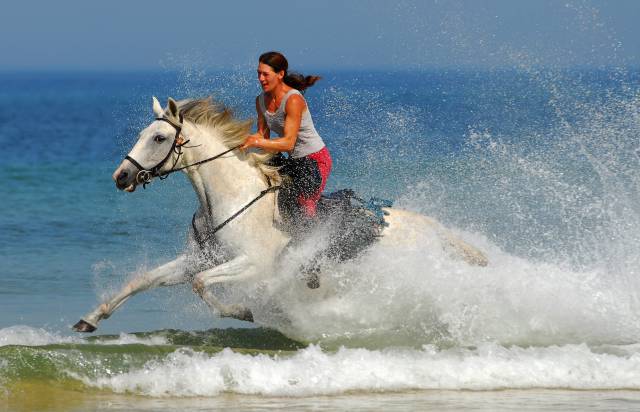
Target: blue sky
(125,35)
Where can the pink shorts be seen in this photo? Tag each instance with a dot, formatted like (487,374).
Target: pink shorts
(323,160)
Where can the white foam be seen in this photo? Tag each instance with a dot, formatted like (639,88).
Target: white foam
(403,296)
(128,339)
(314,372)
(29,336)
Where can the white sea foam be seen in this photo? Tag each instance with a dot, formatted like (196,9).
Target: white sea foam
(313,372)
(29,336)
(128,339)
(412,296)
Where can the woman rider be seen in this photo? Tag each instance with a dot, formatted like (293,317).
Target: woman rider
(282,109)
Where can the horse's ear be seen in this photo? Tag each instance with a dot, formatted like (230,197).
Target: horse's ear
(173,108)
(157,109)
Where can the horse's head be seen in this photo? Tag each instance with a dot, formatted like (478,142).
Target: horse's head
(156,146)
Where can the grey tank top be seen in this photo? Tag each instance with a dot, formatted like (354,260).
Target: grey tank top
(308,141)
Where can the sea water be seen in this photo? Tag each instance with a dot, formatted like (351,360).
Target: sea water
(537,168)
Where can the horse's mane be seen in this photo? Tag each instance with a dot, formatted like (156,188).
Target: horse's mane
(206,112)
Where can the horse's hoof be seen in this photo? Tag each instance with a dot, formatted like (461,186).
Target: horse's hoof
(313,281)
(238,312)
(310,274)
(83,326)
(245,315)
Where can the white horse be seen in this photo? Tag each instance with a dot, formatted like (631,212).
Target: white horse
(201,139)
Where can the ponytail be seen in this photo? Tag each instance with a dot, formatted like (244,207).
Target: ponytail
(300,82)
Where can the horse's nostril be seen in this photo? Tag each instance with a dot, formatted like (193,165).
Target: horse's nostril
(122,176)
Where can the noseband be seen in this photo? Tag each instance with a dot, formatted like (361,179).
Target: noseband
(145,176)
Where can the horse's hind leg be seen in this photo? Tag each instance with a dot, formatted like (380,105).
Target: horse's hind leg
(171,273)
(238,269)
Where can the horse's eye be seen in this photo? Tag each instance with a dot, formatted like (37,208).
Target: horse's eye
(159,138)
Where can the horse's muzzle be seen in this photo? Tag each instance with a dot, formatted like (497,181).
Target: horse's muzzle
(125,178)
(122,179)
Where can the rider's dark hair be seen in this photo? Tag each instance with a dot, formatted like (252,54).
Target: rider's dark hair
(278,62)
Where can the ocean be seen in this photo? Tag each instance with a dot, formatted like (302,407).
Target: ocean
(538,168)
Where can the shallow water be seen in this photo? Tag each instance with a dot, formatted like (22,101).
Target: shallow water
(527,400)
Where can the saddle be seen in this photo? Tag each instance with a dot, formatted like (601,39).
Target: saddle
(357,223)
(353,223)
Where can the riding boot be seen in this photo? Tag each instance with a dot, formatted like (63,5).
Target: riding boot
(311,272)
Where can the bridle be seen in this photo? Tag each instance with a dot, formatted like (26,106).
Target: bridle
(145,176)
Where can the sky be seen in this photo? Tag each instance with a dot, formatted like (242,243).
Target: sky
(372,34)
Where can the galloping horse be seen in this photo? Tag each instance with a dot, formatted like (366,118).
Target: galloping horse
(237,201)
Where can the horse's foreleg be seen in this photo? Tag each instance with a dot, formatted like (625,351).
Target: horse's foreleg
(237,269)
(171,273)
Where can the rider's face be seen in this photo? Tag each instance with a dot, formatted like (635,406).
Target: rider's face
(268,78)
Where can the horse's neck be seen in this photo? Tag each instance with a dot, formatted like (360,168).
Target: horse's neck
(222,185)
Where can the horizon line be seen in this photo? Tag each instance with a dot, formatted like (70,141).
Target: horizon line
(389,69)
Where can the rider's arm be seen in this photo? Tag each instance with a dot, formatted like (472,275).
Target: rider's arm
(294,108)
